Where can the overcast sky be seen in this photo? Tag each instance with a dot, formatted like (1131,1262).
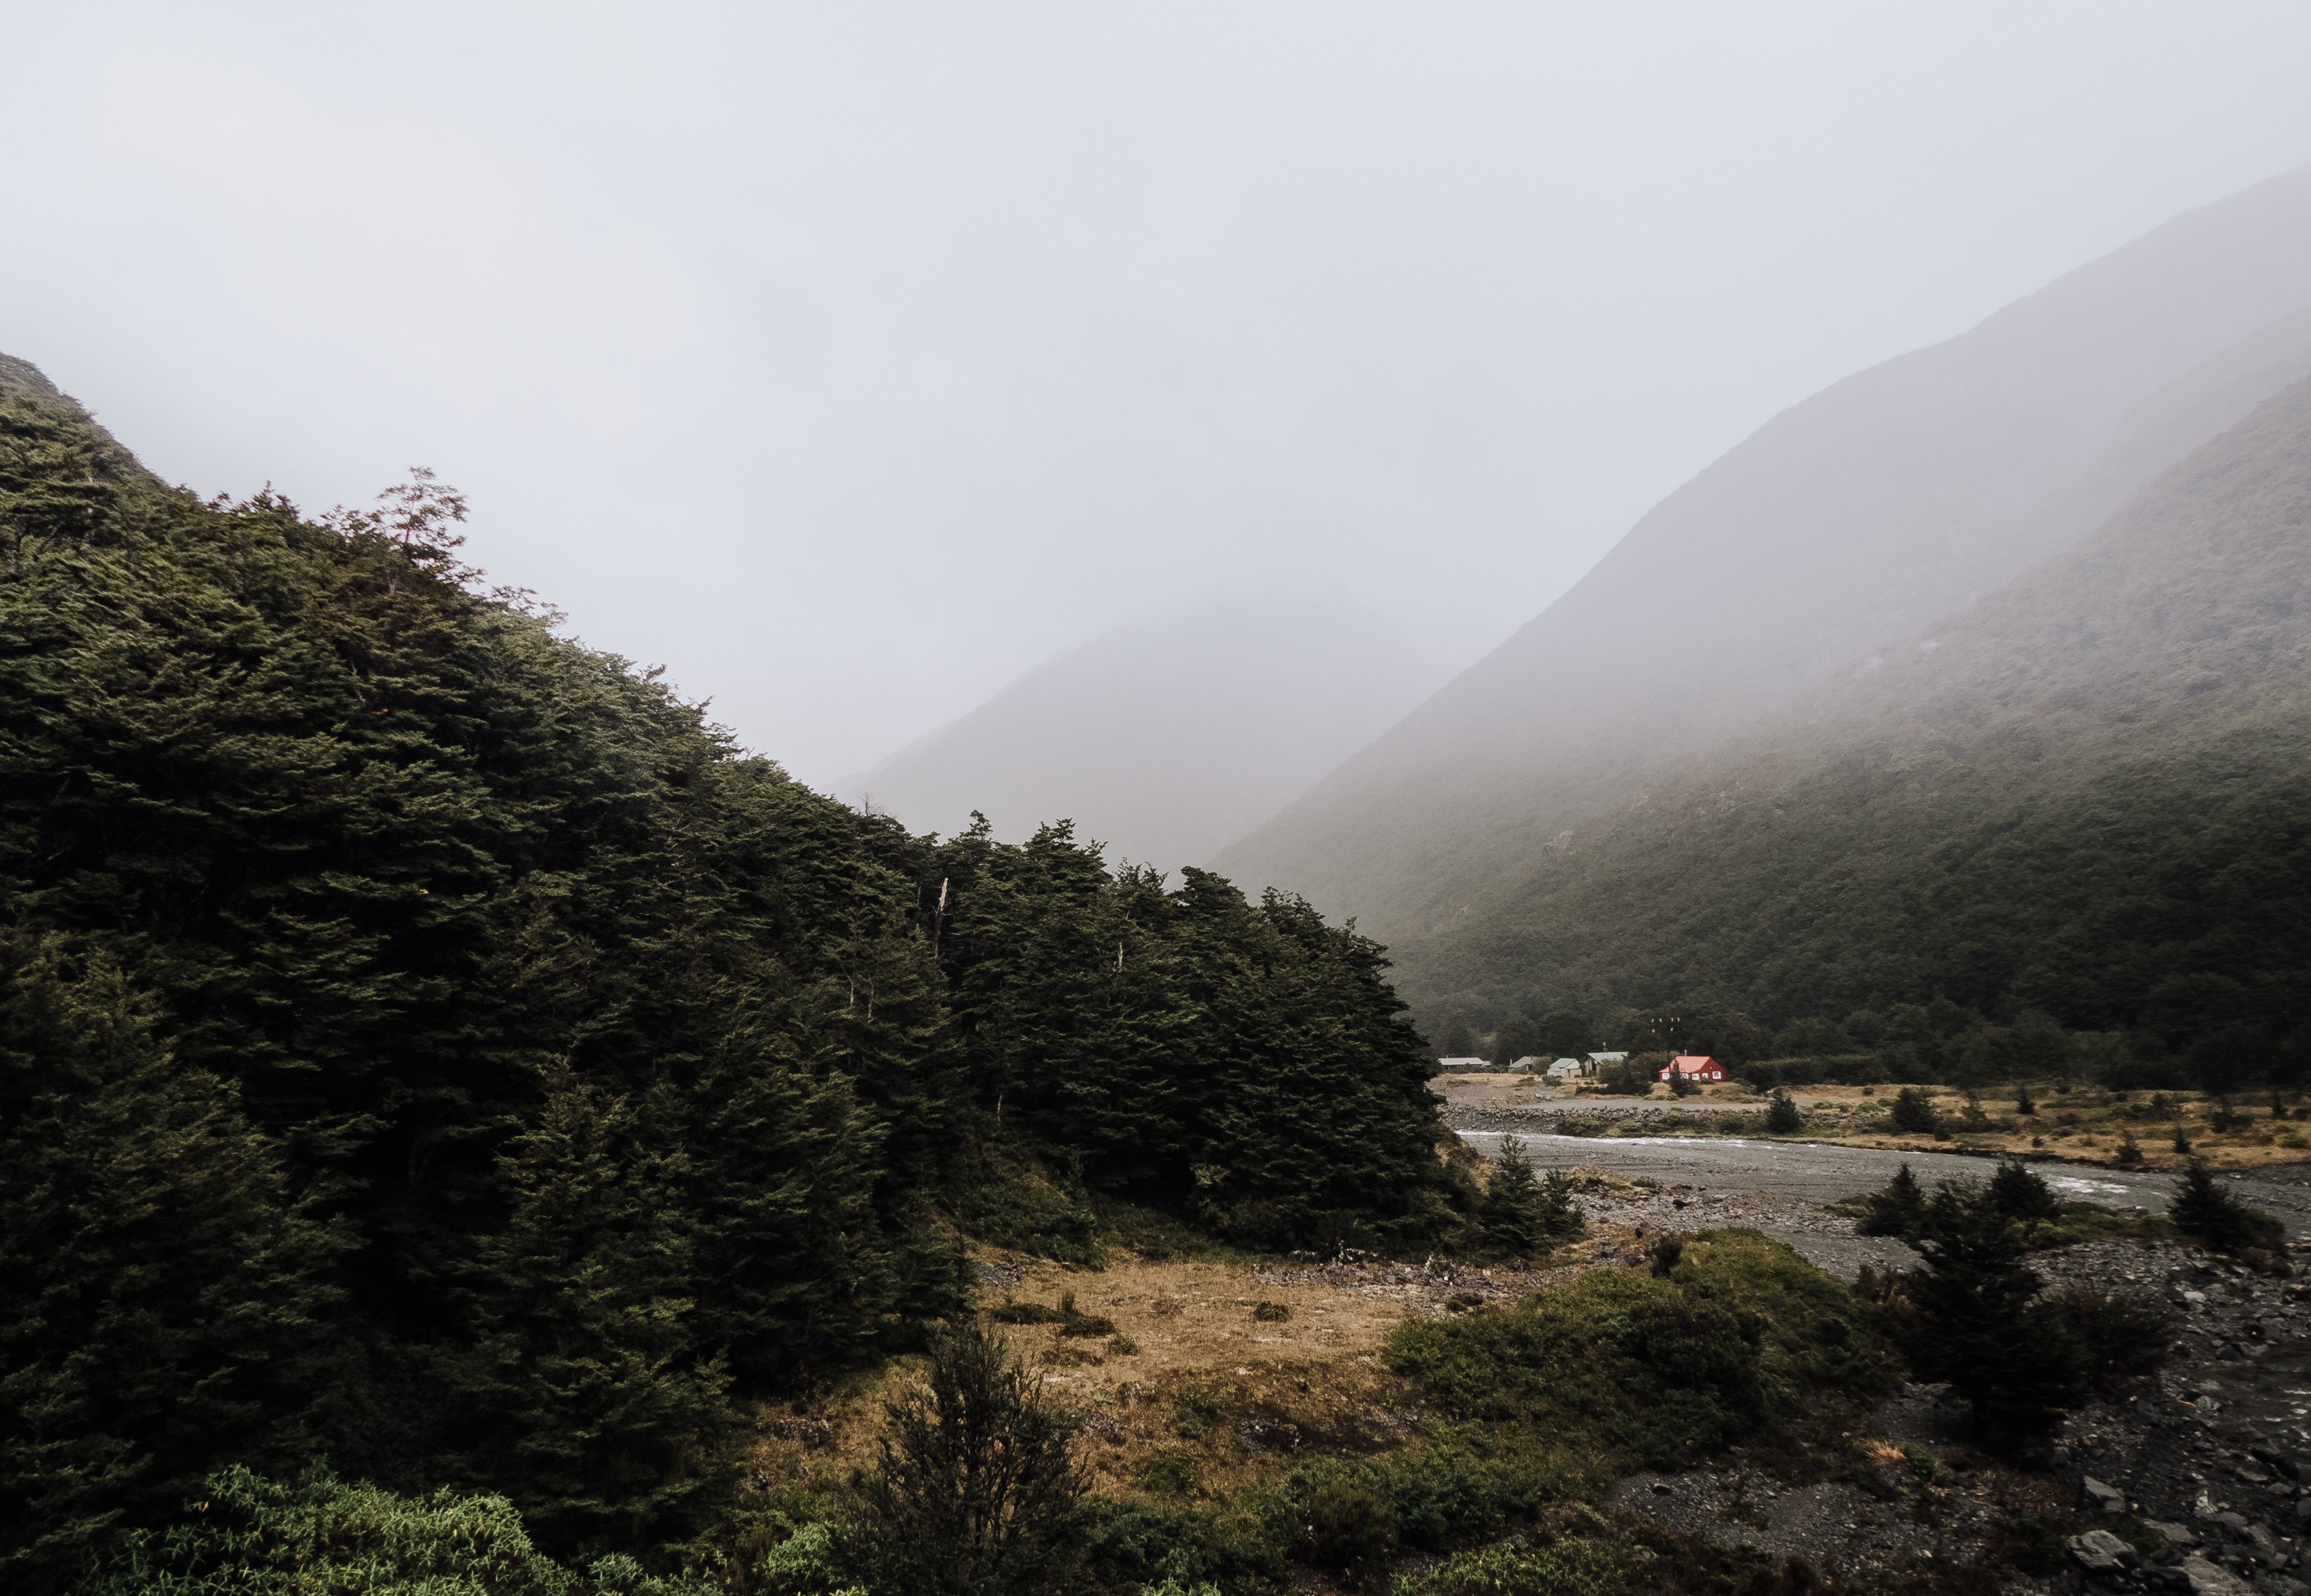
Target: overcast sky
(849,359)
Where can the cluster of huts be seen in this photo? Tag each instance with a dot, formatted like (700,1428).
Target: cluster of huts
(1696,1067)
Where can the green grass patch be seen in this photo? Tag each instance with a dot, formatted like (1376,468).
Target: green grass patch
(1657,1370)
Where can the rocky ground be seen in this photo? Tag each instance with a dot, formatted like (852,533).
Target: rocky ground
(2192,1481)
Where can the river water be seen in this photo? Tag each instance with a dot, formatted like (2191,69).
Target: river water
(1822,1173)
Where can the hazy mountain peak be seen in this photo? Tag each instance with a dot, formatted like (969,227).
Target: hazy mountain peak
(1892,496)
(1171,735)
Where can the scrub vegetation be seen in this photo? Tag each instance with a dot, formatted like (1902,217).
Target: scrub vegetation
(466,1126)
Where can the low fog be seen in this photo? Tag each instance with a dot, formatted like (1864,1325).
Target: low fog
(1123,413)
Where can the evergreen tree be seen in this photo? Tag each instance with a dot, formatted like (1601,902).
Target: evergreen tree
(2021,1193)
(1897,1210)
(1914,1111)
(162,1293)
(1782,1115)
(975,1490)
(1979,1324)
(1513,1218)
(2212,1216)
(585,1389)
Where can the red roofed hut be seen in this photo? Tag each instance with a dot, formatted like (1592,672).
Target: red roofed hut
(1693,1067)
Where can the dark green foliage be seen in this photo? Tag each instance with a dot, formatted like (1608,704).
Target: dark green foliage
(2123,1338)
(431,1045)
(1913,1112)
(1657,1370)
(1897,1210)
(2020,1194)
(254,1536)
(1348,1529)
(1782,1115)
(1975,1320)
(975,1490)
(2213,1217)
(2078,802)
(163,1292)
(1523,1214)
(1667,1253)
(1246,1064)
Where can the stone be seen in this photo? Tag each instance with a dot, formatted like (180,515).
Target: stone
(2281,1584)
(2251,1473)
(2303,1508)
(2207,1580)
(2105,1498)
(2174,1534)
(2098,1551)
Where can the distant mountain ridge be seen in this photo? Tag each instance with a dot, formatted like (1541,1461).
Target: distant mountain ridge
(1893,497)
(2083,796)
(1169,738)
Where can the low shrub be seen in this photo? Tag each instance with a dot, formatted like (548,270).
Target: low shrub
(319,1535)
(1661,1370)
(1569,1567)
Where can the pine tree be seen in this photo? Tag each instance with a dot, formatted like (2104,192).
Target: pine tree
(1914,1111)
(1512,1218)
(1979,1324)
(586,1393)
(1897,1210)
(1782,1115)
(2021,1194)
(162,1294)
(2206,1213)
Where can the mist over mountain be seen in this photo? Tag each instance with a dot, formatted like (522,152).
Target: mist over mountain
(1171,738)
(1894,496)
(2082,797)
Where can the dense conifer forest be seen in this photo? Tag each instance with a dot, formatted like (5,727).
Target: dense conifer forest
(432,1049)
(2065,830)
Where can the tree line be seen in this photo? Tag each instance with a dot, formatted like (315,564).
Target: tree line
(433,1047)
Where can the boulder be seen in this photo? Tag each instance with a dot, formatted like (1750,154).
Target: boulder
(2174,1534)
(2103,1498)
(2098,1551)
(2207,1580)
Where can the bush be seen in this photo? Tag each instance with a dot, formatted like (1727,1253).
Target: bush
(1913,1112)
(250,1536)
(2124,1337)
(2212,1216)
(1570,1567)
(1781,1116)
(1650,1370)
(1350,1528)
(975,1490)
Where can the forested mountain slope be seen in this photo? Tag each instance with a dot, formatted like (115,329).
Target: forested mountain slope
(428,1045)
(1170,738)
(1886,500)
(2086,796)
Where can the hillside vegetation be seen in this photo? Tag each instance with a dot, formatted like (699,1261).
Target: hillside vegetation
(428,1046)
(2077,806)
(1852,521)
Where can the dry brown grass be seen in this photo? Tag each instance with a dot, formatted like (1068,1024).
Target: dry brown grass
(1211,1398)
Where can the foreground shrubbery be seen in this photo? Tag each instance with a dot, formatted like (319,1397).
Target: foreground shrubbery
(1657,1369)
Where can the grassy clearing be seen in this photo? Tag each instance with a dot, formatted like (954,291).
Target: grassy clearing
(1264,1424)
